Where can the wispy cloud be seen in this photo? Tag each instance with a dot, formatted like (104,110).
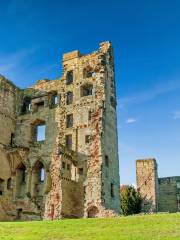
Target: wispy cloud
(176,114)
(131,120)
(150,94)
(8,62)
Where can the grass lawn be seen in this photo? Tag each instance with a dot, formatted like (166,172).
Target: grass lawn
(160,226)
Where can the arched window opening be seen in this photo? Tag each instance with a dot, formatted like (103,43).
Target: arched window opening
(1,187)
(69,77)
(93,212)
(86,90)
(38,178)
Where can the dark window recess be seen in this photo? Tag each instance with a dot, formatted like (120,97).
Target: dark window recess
(1,186)
(12,139)
(69,77)
(69,98)
(39,104)
(26,106)
(87,139)
(87,73)
(89,115)
(68,167)
(63,165)
(86,90)
(69,141)
(69,120)
(21,174)
(113,102)
(106,161)
(112,190)
(9,183)
(80,171)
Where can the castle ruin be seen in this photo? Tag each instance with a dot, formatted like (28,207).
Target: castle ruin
(158,194)
(58,142)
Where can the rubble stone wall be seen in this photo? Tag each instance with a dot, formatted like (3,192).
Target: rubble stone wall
(158,194)
(48,178)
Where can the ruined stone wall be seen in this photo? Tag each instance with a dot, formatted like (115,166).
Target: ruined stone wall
(7,128)
(169,194)
(158,194)
(147,184)
(75,181)
(110,170)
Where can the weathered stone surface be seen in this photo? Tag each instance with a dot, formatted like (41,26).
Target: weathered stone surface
(49,179)
(158,194)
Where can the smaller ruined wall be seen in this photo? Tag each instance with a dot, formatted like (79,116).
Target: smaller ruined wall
(147,185)
(169,194)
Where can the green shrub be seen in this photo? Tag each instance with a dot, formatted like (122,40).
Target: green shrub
(130,200)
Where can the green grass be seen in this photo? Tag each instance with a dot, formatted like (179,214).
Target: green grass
(160,226)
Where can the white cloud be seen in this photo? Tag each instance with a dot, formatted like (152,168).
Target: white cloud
(131,120)
(176,115)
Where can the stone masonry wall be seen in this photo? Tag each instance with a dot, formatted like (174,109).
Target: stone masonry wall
(147,185)
(45,178)
(169,194)
(158,194)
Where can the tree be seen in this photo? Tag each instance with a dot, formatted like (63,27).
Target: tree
(130,200)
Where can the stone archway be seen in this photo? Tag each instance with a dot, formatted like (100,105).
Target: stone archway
(93,212)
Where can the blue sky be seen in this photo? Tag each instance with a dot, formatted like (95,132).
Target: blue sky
(145,36)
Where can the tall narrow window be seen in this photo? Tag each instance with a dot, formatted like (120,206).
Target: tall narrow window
(69,120)
(41,132)
(9,183)
(69,141)
(106,161)
(69,77)
(69,98)
(89,115)
(12,139)
(41,174)
(112,190)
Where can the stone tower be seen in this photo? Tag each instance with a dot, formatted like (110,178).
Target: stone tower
(60,158)
(147,184)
